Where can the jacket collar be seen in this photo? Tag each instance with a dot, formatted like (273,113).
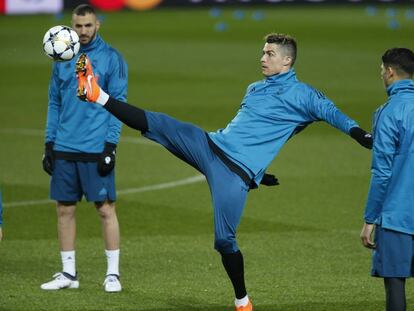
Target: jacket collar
(92,45)
(400,85)
(289,76)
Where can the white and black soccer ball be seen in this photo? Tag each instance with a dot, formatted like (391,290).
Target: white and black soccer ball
(61,43)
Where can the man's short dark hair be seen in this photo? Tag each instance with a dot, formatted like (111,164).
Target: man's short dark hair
(84,9)
(401,59)
(287,42)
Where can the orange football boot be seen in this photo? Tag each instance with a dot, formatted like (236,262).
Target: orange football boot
(88,88)
(248,307)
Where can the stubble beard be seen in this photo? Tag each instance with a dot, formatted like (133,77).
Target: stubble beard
(91,38)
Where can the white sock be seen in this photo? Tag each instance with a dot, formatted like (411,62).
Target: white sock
(241,302)
(103,98)
(68,262)
(112,258)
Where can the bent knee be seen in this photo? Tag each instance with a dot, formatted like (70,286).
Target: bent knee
(105,209)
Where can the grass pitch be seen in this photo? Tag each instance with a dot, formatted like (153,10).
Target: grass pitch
(300,239)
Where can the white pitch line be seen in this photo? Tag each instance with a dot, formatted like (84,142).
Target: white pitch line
(41,133)
(172,184)
(24,203)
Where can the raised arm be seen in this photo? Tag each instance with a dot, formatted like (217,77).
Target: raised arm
(321,108)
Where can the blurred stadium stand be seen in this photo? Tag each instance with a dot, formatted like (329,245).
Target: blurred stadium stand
(56,6)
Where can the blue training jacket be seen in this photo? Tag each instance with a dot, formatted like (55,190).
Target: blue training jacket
(390,201)
(77,126)
(271,112)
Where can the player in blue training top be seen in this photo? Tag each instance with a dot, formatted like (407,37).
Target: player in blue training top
(80,150)
(390,203)
(235,159)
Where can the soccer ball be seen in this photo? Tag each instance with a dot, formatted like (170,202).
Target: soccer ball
(61,43)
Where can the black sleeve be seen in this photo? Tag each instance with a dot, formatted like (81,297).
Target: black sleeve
(132,116)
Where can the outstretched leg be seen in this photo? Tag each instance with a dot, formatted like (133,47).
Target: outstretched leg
(190,144)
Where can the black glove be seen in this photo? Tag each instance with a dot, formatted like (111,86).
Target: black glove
(48,160)
(269,180)
(106,162)
(362,137)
